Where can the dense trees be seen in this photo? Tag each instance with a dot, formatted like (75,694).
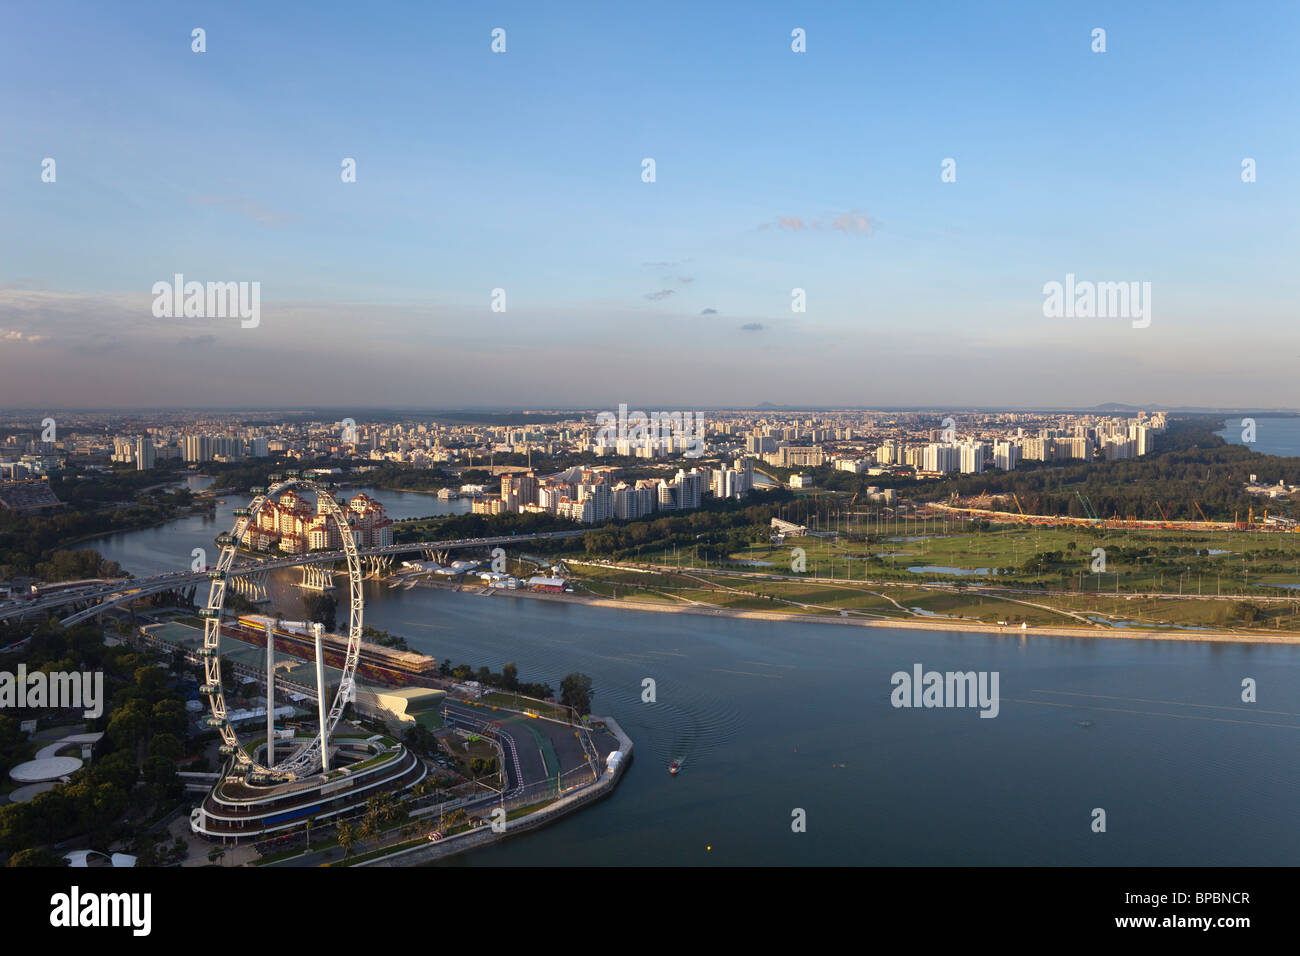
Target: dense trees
(321,608)
(37,857)
(145,726)
(1190,465)
(94,504)
(420,739)
(718,526)
(13,748)
(508,679)
(376,636)
(480,526)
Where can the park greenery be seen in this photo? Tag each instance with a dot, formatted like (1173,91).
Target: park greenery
(131,778)
(507,679)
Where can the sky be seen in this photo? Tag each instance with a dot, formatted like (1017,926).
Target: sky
(523,171)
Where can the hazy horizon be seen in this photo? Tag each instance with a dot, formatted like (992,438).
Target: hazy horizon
(775,170)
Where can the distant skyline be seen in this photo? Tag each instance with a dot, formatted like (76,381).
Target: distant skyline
(332,412)
(774,170)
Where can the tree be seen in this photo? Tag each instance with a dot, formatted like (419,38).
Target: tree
(169,717)
(12,749)
(167,747)
(369,826)
(346,836)
(129,725)
(576,692)
(34,857)
(321,608)
(510,676)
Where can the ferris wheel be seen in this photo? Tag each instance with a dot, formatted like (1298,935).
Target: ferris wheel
(312,756)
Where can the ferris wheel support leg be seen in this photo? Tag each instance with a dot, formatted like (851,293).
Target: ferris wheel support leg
(318,630)
(270,696)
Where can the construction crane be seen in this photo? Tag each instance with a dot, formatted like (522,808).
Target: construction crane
(1087,506)
(1017,501)
(1200,512)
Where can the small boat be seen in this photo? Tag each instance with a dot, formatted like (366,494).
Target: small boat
(674,767)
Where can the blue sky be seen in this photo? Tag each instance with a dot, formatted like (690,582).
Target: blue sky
(522,171)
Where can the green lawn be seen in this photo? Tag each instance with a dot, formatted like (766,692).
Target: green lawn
(1041,561)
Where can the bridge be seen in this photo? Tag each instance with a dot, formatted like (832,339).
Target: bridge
(122,591)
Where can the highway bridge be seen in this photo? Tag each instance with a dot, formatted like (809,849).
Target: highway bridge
(110,594)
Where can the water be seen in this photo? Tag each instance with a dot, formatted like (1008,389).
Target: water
(169,547)
(766,712)
(773,716)
(1273,435)
(940,569)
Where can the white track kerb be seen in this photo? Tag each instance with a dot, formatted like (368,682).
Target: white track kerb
(306,760)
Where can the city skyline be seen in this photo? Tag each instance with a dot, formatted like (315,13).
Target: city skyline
(692,435)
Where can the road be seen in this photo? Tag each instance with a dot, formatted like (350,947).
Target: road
(524,765)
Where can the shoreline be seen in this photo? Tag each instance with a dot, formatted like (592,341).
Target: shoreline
(923,624)
(603,786)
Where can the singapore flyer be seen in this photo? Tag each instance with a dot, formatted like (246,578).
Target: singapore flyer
(312,756)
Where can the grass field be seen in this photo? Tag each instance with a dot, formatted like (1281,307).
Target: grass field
(1038,576)
(1145,560)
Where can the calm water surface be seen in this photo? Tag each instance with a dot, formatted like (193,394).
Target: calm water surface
(1273,436)
(773,716)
